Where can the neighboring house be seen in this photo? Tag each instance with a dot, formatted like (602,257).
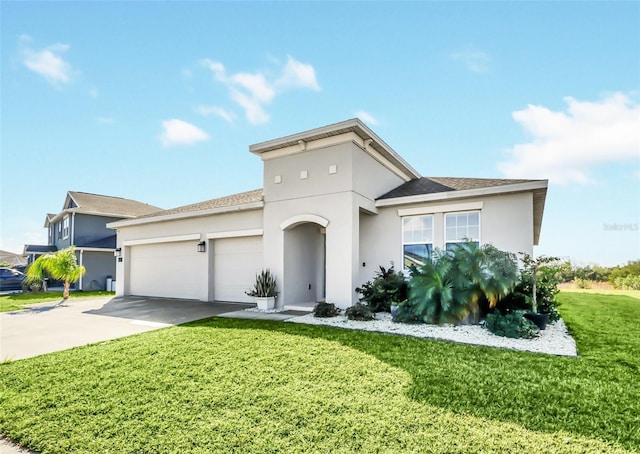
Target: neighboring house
(336,203)
(14,260)
(82,223)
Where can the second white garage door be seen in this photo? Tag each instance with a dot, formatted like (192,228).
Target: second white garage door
(236,262)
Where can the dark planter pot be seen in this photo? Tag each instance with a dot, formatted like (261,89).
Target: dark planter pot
(540,320)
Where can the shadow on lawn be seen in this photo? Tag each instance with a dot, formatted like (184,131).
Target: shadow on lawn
(592,397)
(46,307)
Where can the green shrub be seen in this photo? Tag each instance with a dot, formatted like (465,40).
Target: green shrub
(325,310)
(387,286)
(513,325)
(548,276)
(630,282)
(464,283)
(582,283)
(359,311)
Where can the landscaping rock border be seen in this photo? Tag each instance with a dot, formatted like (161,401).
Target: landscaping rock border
(555,340)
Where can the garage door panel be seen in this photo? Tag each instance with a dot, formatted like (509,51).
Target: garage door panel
(236,262)
(167,270)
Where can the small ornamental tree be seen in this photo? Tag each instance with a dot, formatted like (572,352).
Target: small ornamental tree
(61,265)
(534,267)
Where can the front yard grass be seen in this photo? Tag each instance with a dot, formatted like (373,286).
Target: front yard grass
(224,385)
(19,301)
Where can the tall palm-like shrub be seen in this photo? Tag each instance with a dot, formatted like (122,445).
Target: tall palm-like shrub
(464,283)
(60,265)
(433,295)
(486,273)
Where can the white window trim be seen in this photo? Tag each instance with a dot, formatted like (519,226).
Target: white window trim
(449,208)
(403,243)
(462,241)
(65,230)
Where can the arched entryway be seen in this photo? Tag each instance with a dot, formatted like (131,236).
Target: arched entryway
(304,277)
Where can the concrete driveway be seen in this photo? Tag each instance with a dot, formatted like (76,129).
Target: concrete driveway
(50,327)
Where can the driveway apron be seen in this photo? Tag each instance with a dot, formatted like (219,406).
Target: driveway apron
(51,327)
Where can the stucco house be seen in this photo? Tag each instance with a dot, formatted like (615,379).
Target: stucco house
(336,202)
(82,223)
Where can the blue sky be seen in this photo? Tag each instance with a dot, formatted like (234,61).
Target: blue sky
(159,101)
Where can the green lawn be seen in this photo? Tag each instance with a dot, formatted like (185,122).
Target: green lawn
(19,301)
(224,385)
(591,291)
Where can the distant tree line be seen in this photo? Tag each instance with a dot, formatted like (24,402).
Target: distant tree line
(623,277)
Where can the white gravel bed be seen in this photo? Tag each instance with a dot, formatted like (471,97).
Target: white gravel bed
(554,340)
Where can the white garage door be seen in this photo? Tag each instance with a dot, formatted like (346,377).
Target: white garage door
(236,262)
(169,270)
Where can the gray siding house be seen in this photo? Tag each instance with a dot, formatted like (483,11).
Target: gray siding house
(82,223)
(336,202)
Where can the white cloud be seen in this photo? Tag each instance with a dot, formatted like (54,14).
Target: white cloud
(297,75)
(178,132)
(218,111)
(254,91)
(253,109)
(366,117)
(475,61)
(565,145)
(47,62)
(256,84)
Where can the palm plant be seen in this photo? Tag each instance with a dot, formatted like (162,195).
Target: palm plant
(61,265)
(433,295)
(460,283)
(488,273)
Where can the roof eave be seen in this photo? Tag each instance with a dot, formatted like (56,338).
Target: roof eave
(186,215)
(352,125)
(464,193)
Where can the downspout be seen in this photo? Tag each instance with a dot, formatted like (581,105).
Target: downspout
(73,230)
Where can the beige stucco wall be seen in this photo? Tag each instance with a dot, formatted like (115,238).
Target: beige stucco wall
(336,198)
(196,229)
(506,221)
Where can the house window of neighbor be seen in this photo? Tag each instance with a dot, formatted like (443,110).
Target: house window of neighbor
(59,230)
(460,227)
(417,240)
(51,234)
(65,227)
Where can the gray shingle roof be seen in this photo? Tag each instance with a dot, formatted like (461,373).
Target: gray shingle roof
(113,206)
(434,185)
(241,198)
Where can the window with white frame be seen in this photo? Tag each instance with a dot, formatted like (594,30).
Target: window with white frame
(59,230)
(417,240)
(65,227)
(460,227)
(51,234)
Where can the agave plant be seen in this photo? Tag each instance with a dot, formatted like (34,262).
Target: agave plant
(265,285)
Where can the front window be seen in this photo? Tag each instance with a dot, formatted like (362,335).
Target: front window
(417,240)
(65,227)
(461,227)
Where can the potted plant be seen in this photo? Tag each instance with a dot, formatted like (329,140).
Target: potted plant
(264,291)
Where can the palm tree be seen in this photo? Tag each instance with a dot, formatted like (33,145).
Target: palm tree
(60,265)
